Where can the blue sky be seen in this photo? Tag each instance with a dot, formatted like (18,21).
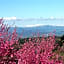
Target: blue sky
(32,9)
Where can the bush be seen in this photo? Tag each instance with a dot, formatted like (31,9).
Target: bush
(39,52)
(33,51)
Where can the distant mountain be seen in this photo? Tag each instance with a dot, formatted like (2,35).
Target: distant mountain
(46,29)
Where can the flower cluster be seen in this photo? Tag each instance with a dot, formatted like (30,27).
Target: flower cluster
(38,51)
(8,45)
(35,51)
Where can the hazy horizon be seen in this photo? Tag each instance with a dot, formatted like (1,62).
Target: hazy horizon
(26,9)
(14,23)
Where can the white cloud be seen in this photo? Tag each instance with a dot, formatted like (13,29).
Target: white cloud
(35,25)
(33,19)
(51,17)
(9,18)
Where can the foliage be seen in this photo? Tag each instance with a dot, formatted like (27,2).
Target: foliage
(33,51)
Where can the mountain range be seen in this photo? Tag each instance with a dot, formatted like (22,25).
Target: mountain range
(46,29)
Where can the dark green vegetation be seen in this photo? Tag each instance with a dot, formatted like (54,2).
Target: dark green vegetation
(59,40)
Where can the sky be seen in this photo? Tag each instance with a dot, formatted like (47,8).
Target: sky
(32,9)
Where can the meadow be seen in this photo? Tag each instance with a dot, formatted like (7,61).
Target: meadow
(36,50)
